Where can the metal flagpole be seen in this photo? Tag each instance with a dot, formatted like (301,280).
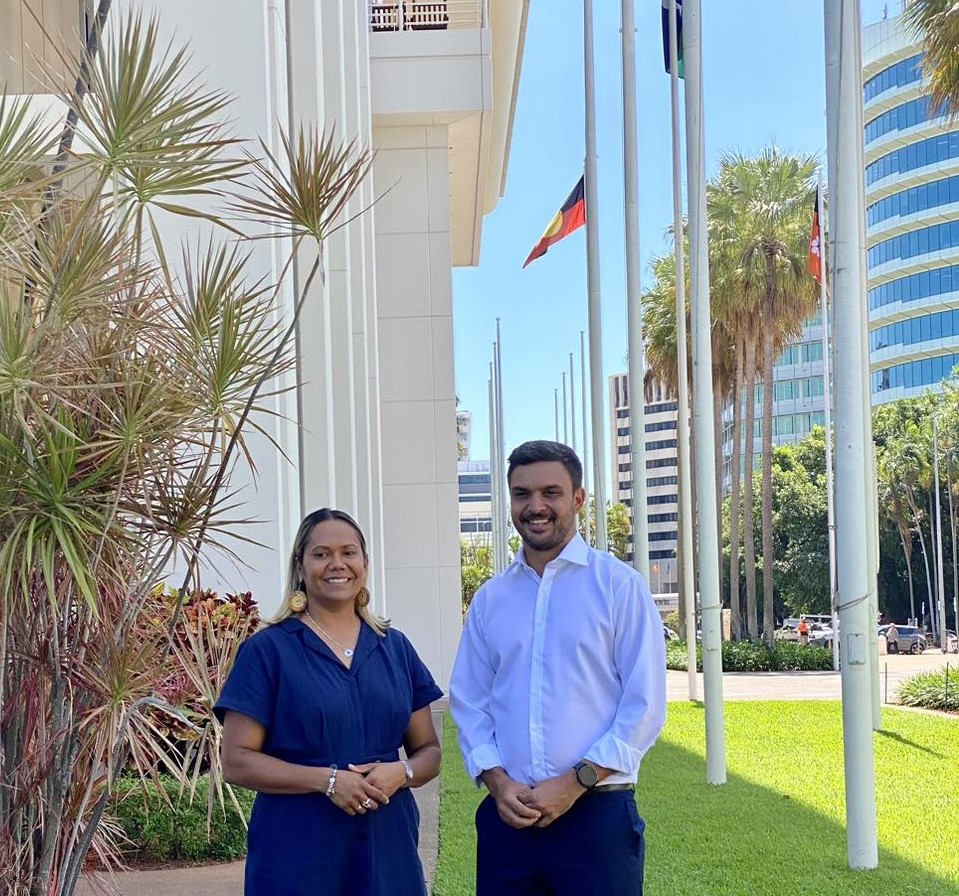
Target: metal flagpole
(556,413)
(585,404)
(847,238)
(688,584)
(498,530)
(827,420)
(572,405)
(565,413)
(871,483)
(492,466)
(634,312)
(501,448)
(710,600)
(594,305)
(493,473)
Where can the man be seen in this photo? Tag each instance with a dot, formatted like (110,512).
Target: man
(892,638)
(558,689)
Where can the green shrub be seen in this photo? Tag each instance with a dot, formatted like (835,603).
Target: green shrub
(938,689)
(177,830)
(744,656)
(676,656)
(789,656)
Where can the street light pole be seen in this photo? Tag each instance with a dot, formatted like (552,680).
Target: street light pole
(940,577)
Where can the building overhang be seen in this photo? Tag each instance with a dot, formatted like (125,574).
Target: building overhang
(464,78)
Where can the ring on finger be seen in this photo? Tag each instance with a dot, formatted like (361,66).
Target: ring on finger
(367,803)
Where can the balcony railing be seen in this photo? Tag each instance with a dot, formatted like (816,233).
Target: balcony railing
(427,15)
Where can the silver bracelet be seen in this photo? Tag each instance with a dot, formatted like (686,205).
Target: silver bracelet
(409,772)
(331,788)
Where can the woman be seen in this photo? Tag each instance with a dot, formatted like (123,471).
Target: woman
(313,713)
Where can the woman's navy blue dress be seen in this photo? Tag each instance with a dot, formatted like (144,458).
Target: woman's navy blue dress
(317,712)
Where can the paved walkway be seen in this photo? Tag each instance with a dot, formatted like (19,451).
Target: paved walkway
(227,879)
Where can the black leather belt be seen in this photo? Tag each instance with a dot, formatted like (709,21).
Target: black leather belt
(612,788)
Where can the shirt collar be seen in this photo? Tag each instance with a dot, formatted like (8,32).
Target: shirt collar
(576,551)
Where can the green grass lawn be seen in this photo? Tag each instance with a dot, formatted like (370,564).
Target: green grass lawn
(777,826)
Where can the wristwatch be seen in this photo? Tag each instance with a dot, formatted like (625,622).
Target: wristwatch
(586,774)
(409,772)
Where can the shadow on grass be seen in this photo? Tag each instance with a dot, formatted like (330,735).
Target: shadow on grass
(741,839)
(907,742)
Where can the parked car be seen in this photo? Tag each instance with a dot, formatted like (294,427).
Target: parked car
(788,632)
(820,632)
(909,639)
(820,635)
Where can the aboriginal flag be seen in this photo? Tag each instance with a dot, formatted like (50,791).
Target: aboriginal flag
(570,217)
(815,242)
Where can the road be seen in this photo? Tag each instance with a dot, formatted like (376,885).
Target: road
(893,670)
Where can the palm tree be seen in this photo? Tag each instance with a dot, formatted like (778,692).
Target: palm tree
(659,329)
(937,21)
(767,202)
(659,322)
(903,443)
(732,305)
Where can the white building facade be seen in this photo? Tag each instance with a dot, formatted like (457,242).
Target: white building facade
(799,399)
(912,220)
(662,475)
(371,426)
(475,502)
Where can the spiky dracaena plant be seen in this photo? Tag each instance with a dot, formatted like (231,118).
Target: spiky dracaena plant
(127,384)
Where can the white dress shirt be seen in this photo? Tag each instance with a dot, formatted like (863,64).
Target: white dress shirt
(561,668)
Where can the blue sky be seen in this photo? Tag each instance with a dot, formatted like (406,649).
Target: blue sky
(764,83)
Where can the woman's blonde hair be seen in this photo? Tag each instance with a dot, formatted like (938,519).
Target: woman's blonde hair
(294,583)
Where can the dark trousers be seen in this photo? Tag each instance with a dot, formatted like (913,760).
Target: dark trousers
(596,848)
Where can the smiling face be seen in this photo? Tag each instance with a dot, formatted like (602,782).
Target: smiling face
(544,506)
(333,566)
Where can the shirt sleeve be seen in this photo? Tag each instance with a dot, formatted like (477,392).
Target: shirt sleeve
(424,688)
(639,652)
(250,687)
(470,686)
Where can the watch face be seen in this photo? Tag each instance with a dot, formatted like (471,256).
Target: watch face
(586,775)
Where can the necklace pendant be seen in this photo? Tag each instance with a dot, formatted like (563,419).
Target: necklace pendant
(348,652)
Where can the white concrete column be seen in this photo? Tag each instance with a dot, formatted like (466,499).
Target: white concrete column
(330,58)
(365,339)
(417,393)
(314,334)
(252,68)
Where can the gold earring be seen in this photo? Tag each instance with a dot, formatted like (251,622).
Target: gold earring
(363,597)
(297,601)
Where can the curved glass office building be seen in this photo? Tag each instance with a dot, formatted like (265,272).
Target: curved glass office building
(912,220)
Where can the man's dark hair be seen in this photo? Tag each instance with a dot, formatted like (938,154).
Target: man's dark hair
(541,450)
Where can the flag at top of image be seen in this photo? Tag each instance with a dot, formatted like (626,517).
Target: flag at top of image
(815,243)
(570,217)
(680,68)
